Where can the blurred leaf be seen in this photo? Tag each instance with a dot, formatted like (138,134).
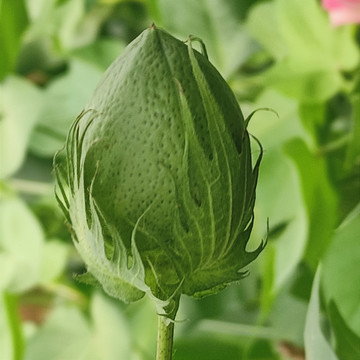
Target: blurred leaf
(21,246)
(216,22)
(287,316)
(313,116)
(101,53)
(310,53)
(54,259)
(68,24)
(304,81)
(273,203)
(65,335)
(63,101)
(262,23)
(111,338)
(279,182)
(20,104)
(11,345)
(340,270)
(143,322)
(353,151)
(274,130)
(13,22)
(316,346)
(201,347)
(347,342)
(319,197)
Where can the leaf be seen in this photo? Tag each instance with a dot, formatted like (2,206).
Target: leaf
(284,253)
(63,101)
(100,53)
(316,346)
(20,104)
(217,23)
(11,342)
(310,54)
(13,22)
(319,197)
(21,246)
(206,348)
(353,151)
(267,33)
(65,335)
(304,81)
(54,260)
(111,338)
(274,130)
(340,270)
(66,23)
(273,204)
(347,342)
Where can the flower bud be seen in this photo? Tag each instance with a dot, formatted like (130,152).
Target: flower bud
(158,184)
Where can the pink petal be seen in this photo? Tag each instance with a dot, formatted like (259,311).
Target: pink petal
(349,15)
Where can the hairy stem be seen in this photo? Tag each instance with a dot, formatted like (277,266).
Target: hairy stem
(165,338)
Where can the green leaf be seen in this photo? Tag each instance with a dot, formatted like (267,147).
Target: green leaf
(347,342)
(20,104)
(217,23)
(65,335)
(13,22)
(11,342)
(267,33)
(319,198)
(67,22)
(202,347)
(112,338)
(284,253)
(54,260)
(340,270)
(305,81)
(100,53)
(273,204)
(64,99)
(310,54)
(21,246)
(353,151)
(274,130)
(316,346)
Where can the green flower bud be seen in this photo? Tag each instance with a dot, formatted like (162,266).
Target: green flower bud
(158,185)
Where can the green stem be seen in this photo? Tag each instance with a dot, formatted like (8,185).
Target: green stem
(165,338)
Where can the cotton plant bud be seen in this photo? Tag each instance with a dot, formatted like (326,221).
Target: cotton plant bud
(158,184)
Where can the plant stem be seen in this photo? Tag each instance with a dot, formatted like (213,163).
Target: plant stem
(165,338)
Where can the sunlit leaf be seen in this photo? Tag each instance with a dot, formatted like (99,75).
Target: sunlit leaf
(65,335)
(55,254)
(310,54)
(217,23)
(21,246)
(11,345)
(20,105)
(279,182)
(111,334)
(67,22)
(13,22)
(63,101)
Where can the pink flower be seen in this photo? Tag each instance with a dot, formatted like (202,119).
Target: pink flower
(343,11)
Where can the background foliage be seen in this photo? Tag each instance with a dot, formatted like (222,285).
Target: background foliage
(280,54)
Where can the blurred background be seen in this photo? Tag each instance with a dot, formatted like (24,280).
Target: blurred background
(298,57)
